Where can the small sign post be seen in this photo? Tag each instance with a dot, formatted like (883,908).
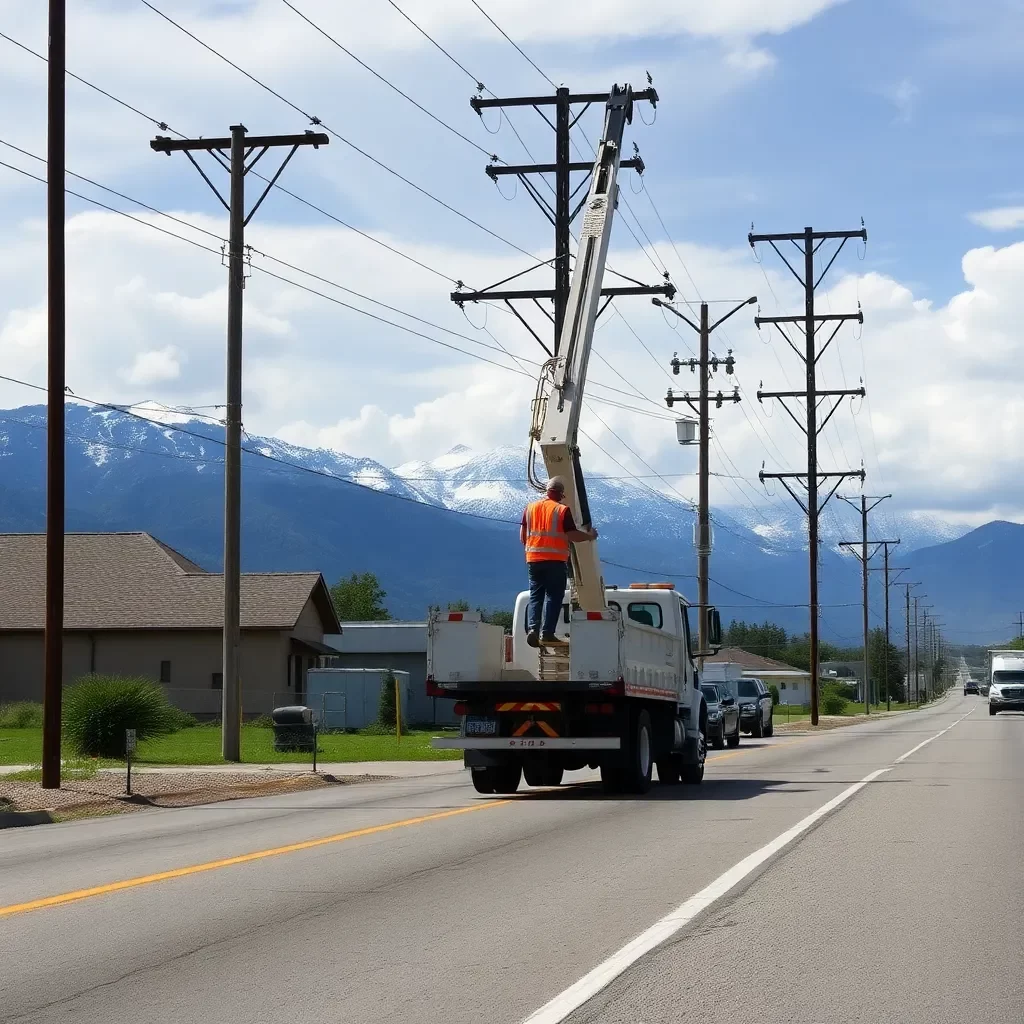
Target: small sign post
(129,749)
(398,711)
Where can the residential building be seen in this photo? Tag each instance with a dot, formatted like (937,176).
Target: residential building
(134,606)
(794,684)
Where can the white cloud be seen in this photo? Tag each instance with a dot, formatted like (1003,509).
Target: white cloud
(1001,218)
(904,96)
(155,367)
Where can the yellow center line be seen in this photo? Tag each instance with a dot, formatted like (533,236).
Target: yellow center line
(308,844)
(245,858)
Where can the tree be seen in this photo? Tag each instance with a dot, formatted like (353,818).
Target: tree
(501,618)
(359,598)
(882,659)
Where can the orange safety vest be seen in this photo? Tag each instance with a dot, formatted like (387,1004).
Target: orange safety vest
(545,533)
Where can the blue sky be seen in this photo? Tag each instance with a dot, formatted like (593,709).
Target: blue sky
(798,112)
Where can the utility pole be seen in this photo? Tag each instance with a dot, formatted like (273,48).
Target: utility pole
(886,568)
(865,508)
(809,323)
(235,155)
(707,365)
(561,215)
(907,588)
(53,637)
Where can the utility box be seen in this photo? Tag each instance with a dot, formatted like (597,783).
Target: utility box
(361,689)
(293,728)
(686,430)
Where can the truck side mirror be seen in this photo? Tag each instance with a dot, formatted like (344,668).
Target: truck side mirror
(714,624)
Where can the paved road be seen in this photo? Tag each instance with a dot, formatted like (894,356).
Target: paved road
(903,904)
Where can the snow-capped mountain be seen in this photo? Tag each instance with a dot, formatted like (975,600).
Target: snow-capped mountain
(319,509)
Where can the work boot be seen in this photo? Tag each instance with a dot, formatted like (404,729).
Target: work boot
(532,638)
(549,639)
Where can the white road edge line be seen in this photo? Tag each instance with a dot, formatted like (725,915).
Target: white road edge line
(565,1003)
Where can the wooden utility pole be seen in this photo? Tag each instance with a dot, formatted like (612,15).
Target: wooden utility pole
(233,154)
(864,557)
(562,214)
(53,637)
(809,242)
(886,568)
(707,364)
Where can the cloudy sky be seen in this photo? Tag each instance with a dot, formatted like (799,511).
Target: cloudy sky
(785,114)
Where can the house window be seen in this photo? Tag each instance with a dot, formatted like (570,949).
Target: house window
(165,671)
(218,680)
(782,685)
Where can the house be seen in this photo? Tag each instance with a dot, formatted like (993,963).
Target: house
(794,684)
(399,646)
(134,606)
(850,673)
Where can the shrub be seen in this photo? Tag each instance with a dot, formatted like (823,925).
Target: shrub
(387,709)
(21,715)
(774,691)
(833,699)
(98,709)
(181,719)
(262,722)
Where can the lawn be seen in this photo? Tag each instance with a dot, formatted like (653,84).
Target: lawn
(201,745)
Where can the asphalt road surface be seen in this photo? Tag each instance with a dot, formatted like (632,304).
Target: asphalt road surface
(785,888)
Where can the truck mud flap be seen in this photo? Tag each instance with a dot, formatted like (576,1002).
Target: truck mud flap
(526,743)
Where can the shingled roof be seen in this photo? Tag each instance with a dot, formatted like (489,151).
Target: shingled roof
(134,581)
(754,662)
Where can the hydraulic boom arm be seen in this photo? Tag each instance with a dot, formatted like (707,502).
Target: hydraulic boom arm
(560,390)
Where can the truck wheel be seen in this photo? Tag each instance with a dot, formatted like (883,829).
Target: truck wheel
(734,741)
(757,729)
(640,755)
(718,742)
(693,774)
(769,729)
(497,779)
(669,772)
(991,710)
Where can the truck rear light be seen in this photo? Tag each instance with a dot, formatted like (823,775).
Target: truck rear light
(455,616)
(599,709)
(461,708)
(594,616)
(433,690)
(508,649)
(617,689)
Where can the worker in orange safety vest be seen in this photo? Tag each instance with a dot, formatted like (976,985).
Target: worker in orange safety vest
(547,530)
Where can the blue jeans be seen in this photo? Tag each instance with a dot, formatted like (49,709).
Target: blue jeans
(547,580)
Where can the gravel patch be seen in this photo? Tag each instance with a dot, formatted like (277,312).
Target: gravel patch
(104,793)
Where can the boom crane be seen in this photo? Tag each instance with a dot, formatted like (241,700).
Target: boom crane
(563,378)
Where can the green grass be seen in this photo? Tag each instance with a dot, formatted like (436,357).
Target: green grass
(201,745)
(799,713)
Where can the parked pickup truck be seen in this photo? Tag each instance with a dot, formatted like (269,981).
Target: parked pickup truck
(620,693)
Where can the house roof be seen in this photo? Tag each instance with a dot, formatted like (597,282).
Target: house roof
(754,662)
(134,581)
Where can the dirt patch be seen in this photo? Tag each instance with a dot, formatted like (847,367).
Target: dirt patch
(832,722)
(104,793)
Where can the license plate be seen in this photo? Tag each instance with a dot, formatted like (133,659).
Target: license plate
(478,725)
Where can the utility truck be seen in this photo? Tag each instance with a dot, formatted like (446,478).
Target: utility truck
(620,690)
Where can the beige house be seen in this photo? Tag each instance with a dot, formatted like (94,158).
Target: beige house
(794,683)
(134,606)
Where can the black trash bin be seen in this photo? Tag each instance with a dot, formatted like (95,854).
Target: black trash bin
(293,728)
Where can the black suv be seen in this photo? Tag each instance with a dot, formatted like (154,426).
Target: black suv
(756,707)
(971,686)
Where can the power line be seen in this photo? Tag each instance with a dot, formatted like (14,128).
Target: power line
(341,138)
(391,85)
(514,43)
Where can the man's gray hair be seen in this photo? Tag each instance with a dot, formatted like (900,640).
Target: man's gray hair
(556,484)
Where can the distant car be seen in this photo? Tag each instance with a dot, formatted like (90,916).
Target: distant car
(756,706)
(723,716)
(983,688)
(970,687)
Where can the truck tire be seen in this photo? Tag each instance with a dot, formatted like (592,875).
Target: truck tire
(693,774)
(482,780)
(769,729)
(757,728)
(498,779)
(541,773)
(991,710)
(734,741)
(639,760)
(718,742)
